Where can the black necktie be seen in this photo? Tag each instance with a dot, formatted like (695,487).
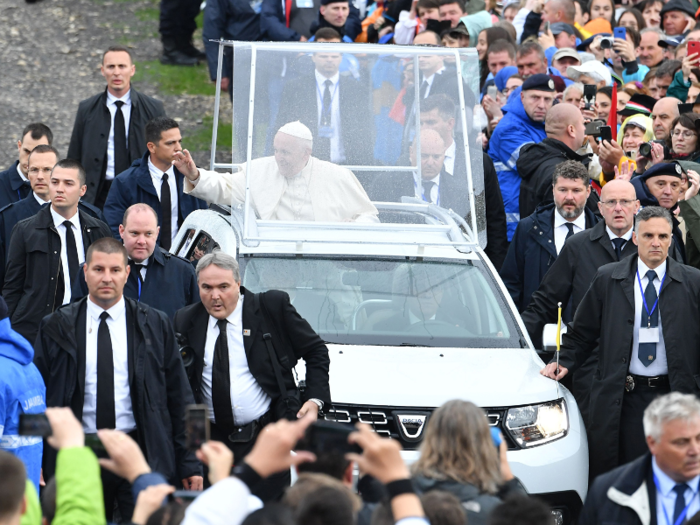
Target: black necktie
(136,269)
(322,144)
(327,103)
(166,228)
(25,189)
(71,253)
(427,188)
(221,380)
(570,234)
(121,152)
(680,501)
(619,242)
(105,412)
(423,89)
(647,351)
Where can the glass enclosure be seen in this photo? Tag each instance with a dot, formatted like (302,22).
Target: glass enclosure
(322,132)
(379,302)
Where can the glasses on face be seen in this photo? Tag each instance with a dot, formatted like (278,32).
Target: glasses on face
(686,134)
(36,171)
(612,204)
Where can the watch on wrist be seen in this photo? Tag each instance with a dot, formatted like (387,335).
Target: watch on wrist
(319,403)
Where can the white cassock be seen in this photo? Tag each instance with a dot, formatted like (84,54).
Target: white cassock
(322,191)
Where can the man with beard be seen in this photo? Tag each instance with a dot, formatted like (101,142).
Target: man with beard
(540,237)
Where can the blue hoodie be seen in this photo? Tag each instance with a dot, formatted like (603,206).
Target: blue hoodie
(513,131)
(22,390)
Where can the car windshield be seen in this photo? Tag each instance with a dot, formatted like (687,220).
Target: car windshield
(385,302)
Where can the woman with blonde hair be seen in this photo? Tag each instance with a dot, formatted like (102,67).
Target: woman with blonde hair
(458,455)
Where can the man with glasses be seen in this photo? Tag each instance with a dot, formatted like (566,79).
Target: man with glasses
(570,276)
(40,162)
(661,185)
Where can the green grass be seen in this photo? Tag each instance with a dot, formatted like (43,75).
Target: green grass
(174,80)
(200,140)
(147,14)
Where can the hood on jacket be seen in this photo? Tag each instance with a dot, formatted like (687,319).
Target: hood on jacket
(13,345)
(516,108)
(532,156)
(639,121)
(475,24)
(503,75)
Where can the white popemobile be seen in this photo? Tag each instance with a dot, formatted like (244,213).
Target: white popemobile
(413,312)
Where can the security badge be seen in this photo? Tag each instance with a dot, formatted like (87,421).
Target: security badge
(246,332)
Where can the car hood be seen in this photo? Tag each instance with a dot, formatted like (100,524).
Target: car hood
(428,377)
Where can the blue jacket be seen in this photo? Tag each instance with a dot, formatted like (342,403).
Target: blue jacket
(22,391)
(136,186)
(531,253)
(513,131)
(12,187)
(171,284)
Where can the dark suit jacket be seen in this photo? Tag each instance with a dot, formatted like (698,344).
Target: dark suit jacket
(292,336)
(171,284)
(159,389)
(33,270)
(20,210)
(605,318)
(88,143)
(12,187)
(136,186)
(299,102)
(391,186)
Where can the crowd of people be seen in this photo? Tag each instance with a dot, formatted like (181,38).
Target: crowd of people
(583,123)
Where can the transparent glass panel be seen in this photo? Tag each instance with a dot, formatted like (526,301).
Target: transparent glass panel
(388,302)
(324,132)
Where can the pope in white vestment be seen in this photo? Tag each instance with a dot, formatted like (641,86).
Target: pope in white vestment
(291,185)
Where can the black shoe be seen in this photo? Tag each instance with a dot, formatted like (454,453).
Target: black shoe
(175,57)
(192,51)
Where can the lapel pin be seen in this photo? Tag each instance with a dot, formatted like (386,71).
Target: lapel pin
(246,332)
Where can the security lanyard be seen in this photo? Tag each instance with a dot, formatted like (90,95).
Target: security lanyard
(335,90)
(682,515)
(138,280)
(422,193)
(644,299)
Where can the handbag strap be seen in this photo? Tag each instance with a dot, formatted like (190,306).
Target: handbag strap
(267,337)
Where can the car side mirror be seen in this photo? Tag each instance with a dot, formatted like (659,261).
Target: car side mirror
(549,337)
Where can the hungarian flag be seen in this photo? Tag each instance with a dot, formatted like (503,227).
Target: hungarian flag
(612,117)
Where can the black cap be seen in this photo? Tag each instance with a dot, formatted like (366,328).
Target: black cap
(539,82)
(677,5)
(561,27)
(638,105)
(664,168)
(326,2)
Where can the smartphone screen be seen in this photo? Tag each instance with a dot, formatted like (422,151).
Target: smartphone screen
(605,133)
(34,425)
(196,426)
(589,93)
(492,91)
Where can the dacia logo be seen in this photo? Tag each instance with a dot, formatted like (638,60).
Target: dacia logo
(412,425)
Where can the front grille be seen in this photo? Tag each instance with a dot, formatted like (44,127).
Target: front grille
(384,421)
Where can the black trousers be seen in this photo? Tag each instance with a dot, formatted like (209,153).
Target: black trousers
(633,444)
(177,18)
(116,491)
(270,489)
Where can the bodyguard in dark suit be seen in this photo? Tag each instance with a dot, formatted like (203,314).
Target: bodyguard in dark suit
(569,278)
(46,251)
(435,185)
(644,350)
(243,374)
(108,133)
(668,473)
(41,162)
(115,363)
(540,237)
(333,106)
(14,184)
(153,180)
(158,278)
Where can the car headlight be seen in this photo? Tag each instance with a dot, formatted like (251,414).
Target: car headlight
(534,425)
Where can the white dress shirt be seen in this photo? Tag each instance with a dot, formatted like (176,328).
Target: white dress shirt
(561,230)
(144,268)
(659,366)
(19,170)
(78,234)
(157,178)
(39,199)
(126,111)
(449,162)
(626,236)
(248,399)
(337,148)
(666,497)
(116,322)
